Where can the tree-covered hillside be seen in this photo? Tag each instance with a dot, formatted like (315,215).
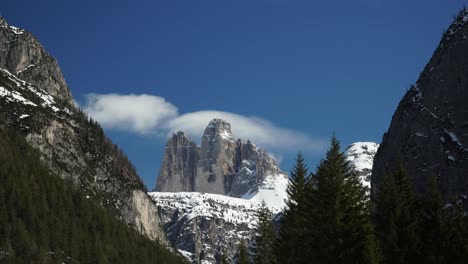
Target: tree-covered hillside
(44,219)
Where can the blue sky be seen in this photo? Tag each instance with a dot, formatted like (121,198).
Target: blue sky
(289,73)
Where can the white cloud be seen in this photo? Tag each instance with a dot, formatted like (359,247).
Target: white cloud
(260,131)
(136,113)
(145,114)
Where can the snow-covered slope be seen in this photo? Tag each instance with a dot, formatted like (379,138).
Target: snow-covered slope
(191,205)
(272,190)
(26,95)
(202,225)
(361,156)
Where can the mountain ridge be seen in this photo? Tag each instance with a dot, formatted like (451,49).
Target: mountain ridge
(202,226)
(37,103)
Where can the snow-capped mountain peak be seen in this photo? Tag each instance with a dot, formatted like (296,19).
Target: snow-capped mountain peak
(360,155)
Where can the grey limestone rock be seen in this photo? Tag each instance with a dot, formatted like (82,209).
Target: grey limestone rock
(221,166)
(22,54)
(179,166)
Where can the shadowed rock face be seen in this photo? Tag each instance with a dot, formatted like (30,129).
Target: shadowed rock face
(428,134)
(221,166)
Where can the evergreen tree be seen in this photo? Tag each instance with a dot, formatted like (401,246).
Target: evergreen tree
(291,235)
(455,247)
(444,237)
(243,255)
(265,237)
(340,230)
(45,219)
(223,259)
(433,225)
(396,219)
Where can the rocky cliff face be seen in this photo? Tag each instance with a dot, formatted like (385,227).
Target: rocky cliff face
(21,54)
(179,166)
(222,165)
(35,100)
(215,168)
(429,130)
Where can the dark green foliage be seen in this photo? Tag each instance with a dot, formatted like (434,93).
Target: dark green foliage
(94,141)
(443,229)
(339,228)
(44,219)
(264,238)
(223,259)
(432,226)
(291,237)
(396,219)
(334,215)
(243,257)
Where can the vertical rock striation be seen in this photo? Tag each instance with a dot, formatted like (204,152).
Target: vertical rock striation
(179,166)
(215,168)
(221,166)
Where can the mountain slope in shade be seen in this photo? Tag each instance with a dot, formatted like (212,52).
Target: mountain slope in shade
(44,219)
(428,133)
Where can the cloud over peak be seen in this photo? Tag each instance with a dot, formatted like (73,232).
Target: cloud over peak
(135,113)
(150,114)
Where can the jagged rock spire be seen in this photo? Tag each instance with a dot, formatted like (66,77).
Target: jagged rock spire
(178,169)
(222,165)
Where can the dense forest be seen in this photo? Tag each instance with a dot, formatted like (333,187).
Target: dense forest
(44,219)
(330,218)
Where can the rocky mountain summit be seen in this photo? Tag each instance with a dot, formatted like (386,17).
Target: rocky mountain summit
(207,196)
(428,134)
(22,55)
(221,165)
(201,225)
(35,100)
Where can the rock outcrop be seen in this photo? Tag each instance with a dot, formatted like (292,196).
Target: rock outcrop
(207,196)
(179,166)
(22,54)
(203,226)
(35,100)
(221,166)
(215,168)
(428,134)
